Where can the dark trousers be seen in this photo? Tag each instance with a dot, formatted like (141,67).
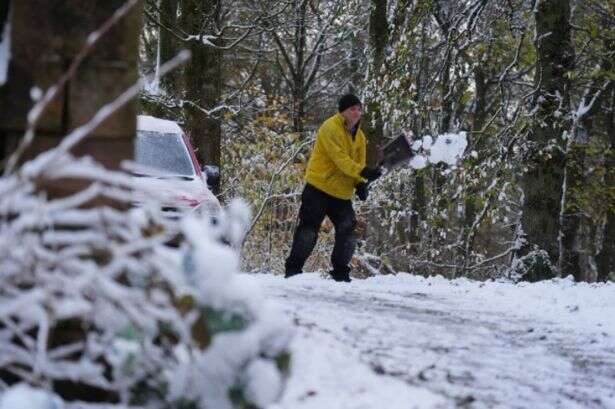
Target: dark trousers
(315,205)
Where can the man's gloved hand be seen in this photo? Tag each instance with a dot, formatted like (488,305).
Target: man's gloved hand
(362,191)
(371,174)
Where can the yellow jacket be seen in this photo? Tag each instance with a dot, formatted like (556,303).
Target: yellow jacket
(337,159)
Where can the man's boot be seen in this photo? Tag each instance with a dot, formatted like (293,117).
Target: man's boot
(341,274)
(291,269)
(290,273)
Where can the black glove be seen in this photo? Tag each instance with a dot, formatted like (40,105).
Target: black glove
(362,191)
(371,174)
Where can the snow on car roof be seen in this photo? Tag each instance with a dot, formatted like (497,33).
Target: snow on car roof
(150,123)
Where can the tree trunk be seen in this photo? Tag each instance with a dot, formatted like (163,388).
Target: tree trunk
(372,119)
(298,113)
(269,81)
(570,219)
(202,82)
(472,191)
(298,105)
(418,208)
(378,39)
(542,182)
(438,201)
(419,203)
(606,257)
(168,44)
(478,121)
(354,69)
(575,181)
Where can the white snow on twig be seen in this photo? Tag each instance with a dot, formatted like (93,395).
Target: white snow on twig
(205,39)
(587,103)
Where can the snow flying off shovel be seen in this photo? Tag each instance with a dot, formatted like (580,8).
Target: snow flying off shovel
(447,148)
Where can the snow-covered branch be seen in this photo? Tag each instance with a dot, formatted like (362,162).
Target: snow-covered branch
(268,195)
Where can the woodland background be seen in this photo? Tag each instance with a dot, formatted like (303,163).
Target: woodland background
(530,81)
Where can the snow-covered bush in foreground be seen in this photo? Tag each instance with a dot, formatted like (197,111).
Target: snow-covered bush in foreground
(23,396)
(95,307)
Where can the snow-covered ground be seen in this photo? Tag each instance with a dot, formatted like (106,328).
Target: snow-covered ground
(409,342)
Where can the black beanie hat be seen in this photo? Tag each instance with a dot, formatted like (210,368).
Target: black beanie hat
(347,101)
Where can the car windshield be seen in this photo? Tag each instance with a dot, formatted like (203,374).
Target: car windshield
(163,151)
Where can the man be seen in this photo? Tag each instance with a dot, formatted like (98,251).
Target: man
(336,167)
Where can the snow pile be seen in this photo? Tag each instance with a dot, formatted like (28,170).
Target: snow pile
(448,148)
(95,307)
(5,52)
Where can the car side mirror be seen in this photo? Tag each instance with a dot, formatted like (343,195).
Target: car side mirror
(212,173)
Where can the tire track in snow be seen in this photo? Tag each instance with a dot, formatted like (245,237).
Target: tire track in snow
(476,358)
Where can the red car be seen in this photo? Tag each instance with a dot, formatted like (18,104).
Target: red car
(169,168)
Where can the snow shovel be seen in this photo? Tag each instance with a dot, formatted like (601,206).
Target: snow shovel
(399,152)
(447,148)
(396,153)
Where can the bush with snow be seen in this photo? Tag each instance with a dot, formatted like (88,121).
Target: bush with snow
(534,266)
(95,307)
(24,396)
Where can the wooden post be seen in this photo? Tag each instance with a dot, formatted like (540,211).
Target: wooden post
(46,35)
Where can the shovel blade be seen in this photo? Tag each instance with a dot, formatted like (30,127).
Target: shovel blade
(396,153)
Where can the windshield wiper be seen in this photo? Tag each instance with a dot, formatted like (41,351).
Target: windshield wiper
(180,177)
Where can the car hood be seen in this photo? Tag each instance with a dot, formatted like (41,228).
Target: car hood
(176,191)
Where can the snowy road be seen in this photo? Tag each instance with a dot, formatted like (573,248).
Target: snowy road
(458,344)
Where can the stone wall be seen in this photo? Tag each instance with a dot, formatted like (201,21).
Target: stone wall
(45,37)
